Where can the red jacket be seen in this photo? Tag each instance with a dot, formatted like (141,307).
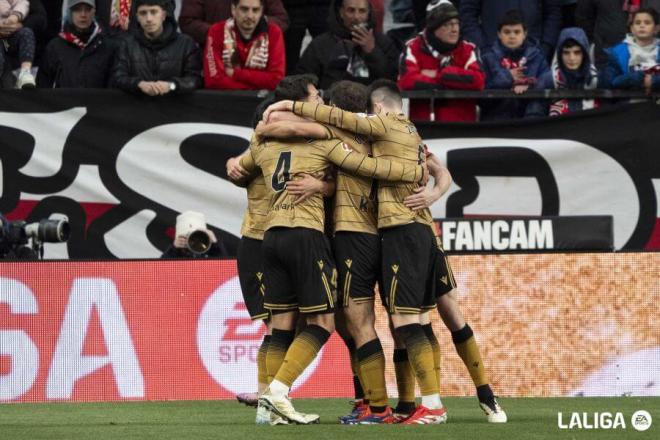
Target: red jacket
(197,16)
(244,78)
(462,71)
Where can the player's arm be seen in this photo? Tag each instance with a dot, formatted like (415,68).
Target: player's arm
(376,168)
(372,126)
(244,168)
(286,129)
(307,186)
(425,197)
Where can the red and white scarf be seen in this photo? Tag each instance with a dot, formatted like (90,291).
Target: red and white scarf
(72,38)
(120,13)
(257,57)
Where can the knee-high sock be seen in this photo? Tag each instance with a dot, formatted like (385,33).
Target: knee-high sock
(435,345)
(358,388)
(277,348)
(262,373)
(405,381)
(371,362)
(467,349)
(301,353)
(420,355)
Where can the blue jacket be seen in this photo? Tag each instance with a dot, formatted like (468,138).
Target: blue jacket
(479,19)
(498,76)
(618,74)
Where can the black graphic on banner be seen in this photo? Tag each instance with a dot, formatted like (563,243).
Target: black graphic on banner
(121,168)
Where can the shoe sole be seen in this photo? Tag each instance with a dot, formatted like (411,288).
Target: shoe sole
(265,402)
(250,403)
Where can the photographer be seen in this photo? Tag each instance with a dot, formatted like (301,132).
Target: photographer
(351,49)
(193,239)
(11,246)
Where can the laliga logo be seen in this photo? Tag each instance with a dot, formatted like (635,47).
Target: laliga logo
(228,341)
(641,421)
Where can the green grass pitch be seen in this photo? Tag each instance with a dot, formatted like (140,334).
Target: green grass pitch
(529,418)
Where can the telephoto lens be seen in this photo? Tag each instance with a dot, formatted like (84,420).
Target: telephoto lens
(49,231)
(199,242)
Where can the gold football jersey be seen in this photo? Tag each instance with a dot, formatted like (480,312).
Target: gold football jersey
(355,206)
(254,221)
(284,160)
(393,137)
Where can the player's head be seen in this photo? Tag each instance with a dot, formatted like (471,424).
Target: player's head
(299,88)
(261,108)
(349,96)
(385,96)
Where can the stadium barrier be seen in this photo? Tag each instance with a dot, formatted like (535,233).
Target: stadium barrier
(547,324)
(121,167)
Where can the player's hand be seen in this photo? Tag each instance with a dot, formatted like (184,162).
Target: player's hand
(234,169)
(280,106)
(304,188)
(423,198)
(520,89)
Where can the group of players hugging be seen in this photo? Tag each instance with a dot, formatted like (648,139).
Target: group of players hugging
(312,168)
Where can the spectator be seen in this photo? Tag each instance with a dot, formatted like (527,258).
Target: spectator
(635,62)
(418,9)
(438,59)
(514,62)
(17,40)
(304,15)
(606,22)
(245,52)
(403,24)
(154,58)
(542,19)
(351,49)
(82,55)
(572,69)
(197,16)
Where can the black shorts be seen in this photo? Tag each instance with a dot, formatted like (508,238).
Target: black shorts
(300,271)
(443,276)
(358,262)
(408,265)
(251,276)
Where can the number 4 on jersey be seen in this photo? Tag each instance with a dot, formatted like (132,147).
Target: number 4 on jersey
(281,175)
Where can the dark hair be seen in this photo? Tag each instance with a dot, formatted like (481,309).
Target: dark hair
(165,4)
(652,12)
(261,108)
(384,90)
(571,43)
(235,2)
(350,96)
(294,87)
(512,17)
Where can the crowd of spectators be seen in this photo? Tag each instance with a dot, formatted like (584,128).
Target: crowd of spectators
(517,45)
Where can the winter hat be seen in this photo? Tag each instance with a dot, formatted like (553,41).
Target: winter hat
(439,12)
(72,3)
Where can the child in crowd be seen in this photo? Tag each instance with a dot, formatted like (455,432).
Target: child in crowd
(571,69)
(17,40)
(635,62)
(514,62)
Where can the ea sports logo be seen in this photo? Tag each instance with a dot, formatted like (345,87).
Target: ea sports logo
(641,420)
(228,340)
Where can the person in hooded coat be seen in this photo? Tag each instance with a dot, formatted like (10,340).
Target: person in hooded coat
(81,56)
(154,58)
(351,49)
(571,69)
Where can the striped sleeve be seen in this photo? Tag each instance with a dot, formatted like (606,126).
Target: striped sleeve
(373,126)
